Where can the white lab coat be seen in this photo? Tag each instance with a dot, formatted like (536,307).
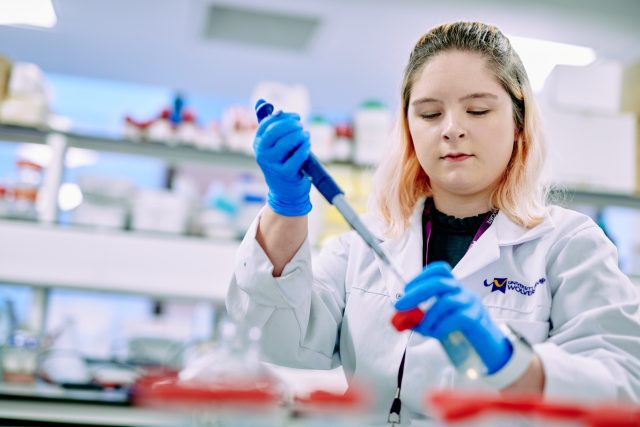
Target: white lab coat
(565,294)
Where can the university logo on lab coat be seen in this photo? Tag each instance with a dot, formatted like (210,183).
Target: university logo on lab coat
(503,284)
(498,284)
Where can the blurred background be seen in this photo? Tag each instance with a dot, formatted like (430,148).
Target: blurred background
(126,170)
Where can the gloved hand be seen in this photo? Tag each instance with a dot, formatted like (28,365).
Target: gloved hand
(455,308)
(281,147)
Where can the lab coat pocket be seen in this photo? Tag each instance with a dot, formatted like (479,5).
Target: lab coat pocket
(517,307)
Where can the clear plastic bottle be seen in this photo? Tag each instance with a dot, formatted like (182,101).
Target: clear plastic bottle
(233,368)
(27,182)
(372,126)
(463,356)
(250,193)
(5,202)
(8,322)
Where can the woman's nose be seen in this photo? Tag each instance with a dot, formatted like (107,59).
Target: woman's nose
(453,131)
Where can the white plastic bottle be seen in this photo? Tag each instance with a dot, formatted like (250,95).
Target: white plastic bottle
(372,129)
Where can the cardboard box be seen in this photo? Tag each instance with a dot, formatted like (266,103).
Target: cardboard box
(590,151)
(5,75)
(605,87)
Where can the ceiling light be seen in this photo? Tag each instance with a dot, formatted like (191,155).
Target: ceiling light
(540,56)
(36,13)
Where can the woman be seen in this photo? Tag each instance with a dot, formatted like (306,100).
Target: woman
(462,185)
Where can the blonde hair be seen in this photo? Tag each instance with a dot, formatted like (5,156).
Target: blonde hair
(400,181)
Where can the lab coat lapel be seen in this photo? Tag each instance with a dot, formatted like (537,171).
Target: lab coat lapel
(406,252)
(485,251)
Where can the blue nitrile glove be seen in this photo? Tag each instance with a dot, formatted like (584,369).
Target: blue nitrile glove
(281,147)
(455,309)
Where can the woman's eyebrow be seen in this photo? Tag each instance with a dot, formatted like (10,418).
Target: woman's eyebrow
(479,95)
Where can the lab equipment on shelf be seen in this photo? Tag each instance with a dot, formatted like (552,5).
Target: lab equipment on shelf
(26,185)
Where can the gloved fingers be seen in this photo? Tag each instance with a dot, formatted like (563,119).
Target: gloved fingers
(471,318)
(434,269)
(444,307)
(276,155)
(265,123)
(425,289)
(456,320)
(276,131)
(298,156)
(286,146)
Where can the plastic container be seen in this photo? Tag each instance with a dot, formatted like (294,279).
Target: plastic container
(161,211)
(20,359)
(5,202)
(216,218)
(8,322)
(322,136)
(28,180)
(105,202)
(224,386)
(466,409)
(372,129)
(343,144)
(250,194)
(326,409)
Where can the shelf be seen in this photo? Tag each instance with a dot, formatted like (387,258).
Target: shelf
(151,264)
(166,152)
(568,195)
(172,154)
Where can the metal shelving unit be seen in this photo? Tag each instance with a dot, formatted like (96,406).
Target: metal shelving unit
(601,198)
(44,255)
(176,154)
(203,259)
(172,154)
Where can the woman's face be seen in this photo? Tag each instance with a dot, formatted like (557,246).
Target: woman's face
(461,123)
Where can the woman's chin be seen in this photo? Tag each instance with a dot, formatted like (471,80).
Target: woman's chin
(461,186)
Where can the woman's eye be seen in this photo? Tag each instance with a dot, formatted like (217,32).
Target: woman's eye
(429,116)
(478,112)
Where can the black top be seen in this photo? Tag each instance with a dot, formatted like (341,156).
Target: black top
(451,236)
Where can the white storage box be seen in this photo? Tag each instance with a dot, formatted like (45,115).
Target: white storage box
(372,129)
(101,215)
(593,151)
(164,211)
(106,201)
(604,87)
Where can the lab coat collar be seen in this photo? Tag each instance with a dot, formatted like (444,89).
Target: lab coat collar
(406,250)
(509,233)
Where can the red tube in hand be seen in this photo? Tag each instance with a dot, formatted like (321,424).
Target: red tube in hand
(407,319)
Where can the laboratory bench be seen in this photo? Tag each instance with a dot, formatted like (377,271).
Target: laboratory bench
(48,405)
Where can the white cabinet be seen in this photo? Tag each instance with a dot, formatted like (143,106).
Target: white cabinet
(151,264)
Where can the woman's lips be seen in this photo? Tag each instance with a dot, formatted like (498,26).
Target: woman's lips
(456,157)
